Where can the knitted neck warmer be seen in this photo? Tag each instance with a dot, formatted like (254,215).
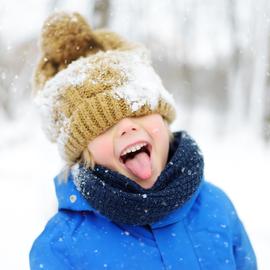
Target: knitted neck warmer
(124,201)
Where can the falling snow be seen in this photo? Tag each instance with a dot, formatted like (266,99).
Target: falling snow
(221,154)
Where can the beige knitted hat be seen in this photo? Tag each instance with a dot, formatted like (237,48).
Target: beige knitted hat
(86,81)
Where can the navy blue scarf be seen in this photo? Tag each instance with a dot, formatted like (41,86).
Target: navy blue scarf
(124,201)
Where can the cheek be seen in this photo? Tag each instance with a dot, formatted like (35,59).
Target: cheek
(102,151)
(160,135)
(156,131)
(159,132)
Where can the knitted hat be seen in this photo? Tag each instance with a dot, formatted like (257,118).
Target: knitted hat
(86,81)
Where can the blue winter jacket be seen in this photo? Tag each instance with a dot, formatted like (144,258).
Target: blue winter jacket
(205,233)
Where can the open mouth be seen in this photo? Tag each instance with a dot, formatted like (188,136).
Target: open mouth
(136,159)
(133,151)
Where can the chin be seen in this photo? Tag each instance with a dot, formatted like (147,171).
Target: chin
(146,184)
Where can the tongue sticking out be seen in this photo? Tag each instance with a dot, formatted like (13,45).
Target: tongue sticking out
(140,166)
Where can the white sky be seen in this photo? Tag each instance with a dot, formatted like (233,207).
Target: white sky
(23,19)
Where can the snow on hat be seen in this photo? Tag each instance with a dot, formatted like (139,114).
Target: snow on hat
(86,81)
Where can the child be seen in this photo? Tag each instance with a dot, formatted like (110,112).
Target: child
(134,195)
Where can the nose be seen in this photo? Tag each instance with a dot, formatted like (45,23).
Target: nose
(127,126)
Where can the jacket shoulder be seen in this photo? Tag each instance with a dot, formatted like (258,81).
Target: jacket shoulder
(212,209)
(50,249)
(214,222)
(212,195)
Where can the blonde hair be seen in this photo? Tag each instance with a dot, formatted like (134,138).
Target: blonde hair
(87,160)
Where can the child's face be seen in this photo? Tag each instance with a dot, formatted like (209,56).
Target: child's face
(108,149)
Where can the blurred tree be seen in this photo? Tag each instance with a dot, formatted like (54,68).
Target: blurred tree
(16,65)
(235,91)
(101,13)
(51,5)
(261,55)
(5,108)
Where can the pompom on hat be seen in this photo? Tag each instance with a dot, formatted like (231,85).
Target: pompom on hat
(86,81)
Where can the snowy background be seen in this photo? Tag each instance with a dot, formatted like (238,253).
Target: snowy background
(212,55)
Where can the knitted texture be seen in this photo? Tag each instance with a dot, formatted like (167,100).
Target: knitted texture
(124,201)
(86,81)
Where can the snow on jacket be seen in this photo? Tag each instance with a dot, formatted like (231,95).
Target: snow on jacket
(205,233)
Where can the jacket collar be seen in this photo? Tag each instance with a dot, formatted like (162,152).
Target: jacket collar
(180,213)
(69,198)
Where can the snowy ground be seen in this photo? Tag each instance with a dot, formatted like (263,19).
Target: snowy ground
(239,164)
